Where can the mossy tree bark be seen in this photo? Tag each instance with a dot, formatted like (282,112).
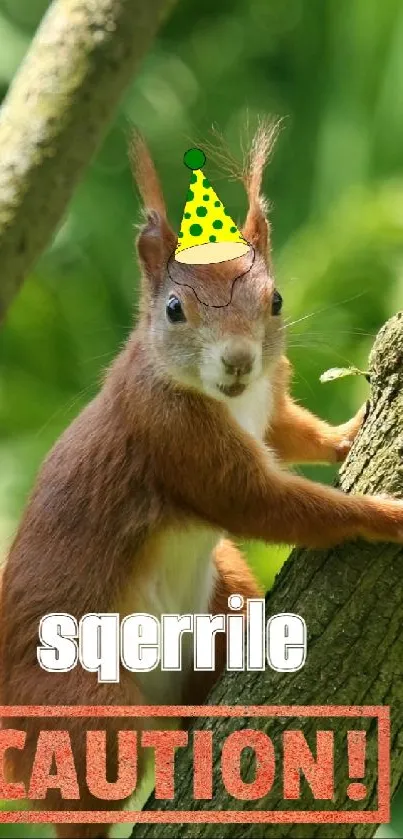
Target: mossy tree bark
(55,114)
(352,600)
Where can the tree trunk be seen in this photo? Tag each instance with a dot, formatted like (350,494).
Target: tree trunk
(55,114)
(351,597)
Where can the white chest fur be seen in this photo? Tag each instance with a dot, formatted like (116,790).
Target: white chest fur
(182,582)
(253,408)
(183,572)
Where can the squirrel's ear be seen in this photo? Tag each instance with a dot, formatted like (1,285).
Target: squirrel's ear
(257,228)
(156,240)
(155,244)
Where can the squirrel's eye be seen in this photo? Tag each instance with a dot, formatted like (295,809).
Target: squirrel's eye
(276,303)
(174,310)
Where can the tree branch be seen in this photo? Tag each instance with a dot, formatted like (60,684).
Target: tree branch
(55,114)
(352,600)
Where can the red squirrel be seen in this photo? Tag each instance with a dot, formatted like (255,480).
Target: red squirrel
(187,440)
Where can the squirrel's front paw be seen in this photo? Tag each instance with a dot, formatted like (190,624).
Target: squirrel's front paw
(348,432)
(342,450)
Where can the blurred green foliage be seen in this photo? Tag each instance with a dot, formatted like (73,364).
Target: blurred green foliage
(333,71)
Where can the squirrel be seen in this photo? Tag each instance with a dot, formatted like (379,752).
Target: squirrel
(186,443)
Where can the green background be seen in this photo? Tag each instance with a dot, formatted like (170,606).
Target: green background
(333,69)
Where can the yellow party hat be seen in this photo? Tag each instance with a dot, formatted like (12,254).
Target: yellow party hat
(208,234)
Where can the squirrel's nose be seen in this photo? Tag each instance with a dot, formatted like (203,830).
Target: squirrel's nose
(238,359)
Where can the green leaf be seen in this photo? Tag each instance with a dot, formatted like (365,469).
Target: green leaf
(340,373)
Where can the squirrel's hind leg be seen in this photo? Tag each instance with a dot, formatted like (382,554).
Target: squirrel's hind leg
(233,576)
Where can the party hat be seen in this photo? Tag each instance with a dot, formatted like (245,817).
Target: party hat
(208,234)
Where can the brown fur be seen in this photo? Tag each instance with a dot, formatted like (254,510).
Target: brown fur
(152,451)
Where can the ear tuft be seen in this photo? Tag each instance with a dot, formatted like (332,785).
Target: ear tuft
(145,175)
(256,228)
(260,152)
(156,240)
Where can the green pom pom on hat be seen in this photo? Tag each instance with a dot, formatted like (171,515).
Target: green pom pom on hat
(194,158)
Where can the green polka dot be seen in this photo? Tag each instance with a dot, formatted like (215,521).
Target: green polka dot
(193,179)
(206,183)
(226,212)
(180,235)
(206,198)
(213,238)
(194,158)
(186,215)
(217,224)
(201,211)
(195,230)
(191,195)
(217,203)
(233,229)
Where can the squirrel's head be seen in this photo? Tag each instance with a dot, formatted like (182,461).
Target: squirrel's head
(218,327)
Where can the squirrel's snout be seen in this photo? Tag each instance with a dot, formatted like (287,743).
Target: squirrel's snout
(231,365)
(238,359)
